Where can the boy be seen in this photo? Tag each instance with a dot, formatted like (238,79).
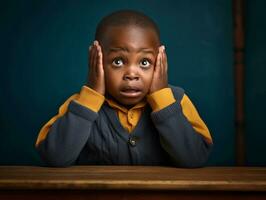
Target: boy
(127,114)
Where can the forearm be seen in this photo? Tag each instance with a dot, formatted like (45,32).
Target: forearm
(185,146)
(183,134)
(63,137)
(67,136)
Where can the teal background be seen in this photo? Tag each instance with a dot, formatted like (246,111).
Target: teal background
(44,47)
(255,82)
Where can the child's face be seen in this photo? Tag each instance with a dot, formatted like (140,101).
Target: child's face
(129,56)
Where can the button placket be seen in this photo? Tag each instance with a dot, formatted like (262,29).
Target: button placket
(132,141)
(130,116)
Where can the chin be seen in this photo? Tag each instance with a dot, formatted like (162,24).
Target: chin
(129,102)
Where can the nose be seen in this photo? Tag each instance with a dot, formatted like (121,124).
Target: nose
(131,74)
(130,77)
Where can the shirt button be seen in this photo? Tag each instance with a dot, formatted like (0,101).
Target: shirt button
(132,141)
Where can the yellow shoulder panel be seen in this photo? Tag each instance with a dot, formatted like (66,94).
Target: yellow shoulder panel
(62,110)
(193,117)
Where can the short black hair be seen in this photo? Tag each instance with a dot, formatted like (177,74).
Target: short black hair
(125,18)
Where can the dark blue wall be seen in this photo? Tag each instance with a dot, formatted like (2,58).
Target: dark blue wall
(44,60)
(256,82)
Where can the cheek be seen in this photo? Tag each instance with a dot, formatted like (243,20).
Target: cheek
(147,78)
(109,78)
(112,79)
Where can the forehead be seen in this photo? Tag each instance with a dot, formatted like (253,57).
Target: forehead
(134,37)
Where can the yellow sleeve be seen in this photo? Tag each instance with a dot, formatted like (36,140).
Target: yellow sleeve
(193,117)
(87,97)
(90,99)
(161,99)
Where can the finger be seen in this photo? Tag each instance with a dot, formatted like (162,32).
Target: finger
(165,68)
(165,63)
(95,59)
(90,56)
(100,59)
(161,61)
(157,65)
(94,56)
(92,53)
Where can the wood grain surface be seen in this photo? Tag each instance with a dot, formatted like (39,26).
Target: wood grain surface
(133,178)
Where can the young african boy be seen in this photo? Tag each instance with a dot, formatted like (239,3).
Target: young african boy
(127,113)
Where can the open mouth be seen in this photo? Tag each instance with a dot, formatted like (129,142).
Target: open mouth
(130,92)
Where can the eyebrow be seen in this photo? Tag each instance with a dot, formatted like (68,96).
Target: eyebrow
(117,49)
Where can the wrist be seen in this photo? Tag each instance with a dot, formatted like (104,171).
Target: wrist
(96,88)
(90,98)
(161,99)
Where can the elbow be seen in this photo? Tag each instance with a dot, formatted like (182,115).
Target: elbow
(53,163)
(191,163)
(52,159)
(57,162)
(195,159)
(195,163)
(200,157)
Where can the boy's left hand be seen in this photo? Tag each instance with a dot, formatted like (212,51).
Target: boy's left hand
(160,78)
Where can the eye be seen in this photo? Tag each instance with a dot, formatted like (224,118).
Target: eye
(145,63)
(117,62)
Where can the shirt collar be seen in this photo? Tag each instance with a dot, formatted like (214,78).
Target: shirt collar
(115,105)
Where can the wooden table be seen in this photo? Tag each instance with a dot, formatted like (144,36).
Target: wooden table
(131,182)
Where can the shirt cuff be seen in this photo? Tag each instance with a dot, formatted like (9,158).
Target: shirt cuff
(90,99)
(161,99)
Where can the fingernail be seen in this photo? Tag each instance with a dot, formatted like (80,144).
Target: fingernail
(163,48)
(90,47)
(95,42)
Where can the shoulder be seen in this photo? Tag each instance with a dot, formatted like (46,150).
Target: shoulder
(178,92)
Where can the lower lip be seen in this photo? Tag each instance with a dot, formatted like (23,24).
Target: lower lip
(130,94)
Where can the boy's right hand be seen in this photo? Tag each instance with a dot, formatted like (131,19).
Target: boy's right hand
(96,72)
